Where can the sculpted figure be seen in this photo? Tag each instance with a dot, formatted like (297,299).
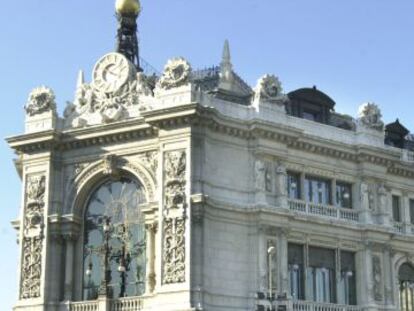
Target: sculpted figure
(41,99)
(370,115)
(260,173)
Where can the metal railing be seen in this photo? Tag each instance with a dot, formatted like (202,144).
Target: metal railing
(317,306)
(323,210)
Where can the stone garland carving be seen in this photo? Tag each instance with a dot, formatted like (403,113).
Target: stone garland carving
(174,250)
(41,99)
(174,189)
(177,72)
(370,115)
(32,245)
(377,277)
(174,223)
(150,161)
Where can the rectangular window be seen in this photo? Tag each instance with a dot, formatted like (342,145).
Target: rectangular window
(296,264)
(396,208)
(347,284)
(321,275)
(317,190)
(293,185)
(412,211)
(343,195)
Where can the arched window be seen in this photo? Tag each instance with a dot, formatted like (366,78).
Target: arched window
(406,279)
(114,241)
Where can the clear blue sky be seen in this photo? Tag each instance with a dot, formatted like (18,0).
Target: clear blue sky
(354,50)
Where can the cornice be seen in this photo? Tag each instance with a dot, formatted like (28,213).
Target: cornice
(193,115)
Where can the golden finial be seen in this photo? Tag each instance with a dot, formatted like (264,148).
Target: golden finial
(128,7)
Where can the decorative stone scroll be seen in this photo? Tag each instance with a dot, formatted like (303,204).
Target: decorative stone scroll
(174,222)
(41,99)
(32,245)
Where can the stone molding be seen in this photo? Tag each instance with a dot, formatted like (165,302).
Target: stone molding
(110,164)
(194,115)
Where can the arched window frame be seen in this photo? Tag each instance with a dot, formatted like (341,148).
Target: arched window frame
(83,187)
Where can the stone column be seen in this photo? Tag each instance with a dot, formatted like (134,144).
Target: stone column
(405,212)
(262,260)
(383,206)
(333,192)
(388,281)
(302,186)
(362,201)
(70,240)
(282,245)
(151,230)
(365,286)
(281,186)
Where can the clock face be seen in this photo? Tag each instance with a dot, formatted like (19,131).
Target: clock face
(111,72)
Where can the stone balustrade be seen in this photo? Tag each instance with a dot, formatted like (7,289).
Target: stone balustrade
(323,210)
(317,306)
(127,304)
(84,306)
(121,304)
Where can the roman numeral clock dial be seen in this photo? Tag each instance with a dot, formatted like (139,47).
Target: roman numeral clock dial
(112,72)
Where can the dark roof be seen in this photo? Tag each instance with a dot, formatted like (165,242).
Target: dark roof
(397,127)
(312,95)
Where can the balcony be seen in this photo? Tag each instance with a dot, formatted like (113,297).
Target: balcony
(122,304)
(323,210)
(403,228)
(317,306)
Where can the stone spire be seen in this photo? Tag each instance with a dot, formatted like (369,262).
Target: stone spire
(226,67)
(127,12)
(81,79)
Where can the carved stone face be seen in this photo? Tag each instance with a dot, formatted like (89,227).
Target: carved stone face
(269,87)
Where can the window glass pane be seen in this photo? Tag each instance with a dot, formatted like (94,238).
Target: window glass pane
(296,279)
(321,274)
(412,211)
(343,195)
(115,205)
(347,290)
(396,210)
(293,185)
(317,190)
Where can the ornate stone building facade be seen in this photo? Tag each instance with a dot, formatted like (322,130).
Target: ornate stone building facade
(191,190)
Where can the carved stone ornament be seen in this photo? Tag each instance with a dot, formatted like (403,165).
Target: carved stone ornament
(176,73)
(41,99)
(175,168)
(377,276)
(174,251)
(174,223)
(110,166)
(32,244)
(115,90)
(260,175)
(370,115)
(268,88)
